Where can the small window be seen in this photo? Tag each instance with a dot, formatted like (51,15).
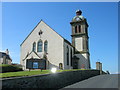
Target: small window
(75,29)
(79,28)
(34,47)
(86,30)
(87,44)
(67,55)
(45,46)
(71,58)
(60,66)
(39,49)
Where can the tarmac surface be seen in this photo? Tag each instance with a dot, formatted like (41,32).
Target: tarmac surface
(100,81)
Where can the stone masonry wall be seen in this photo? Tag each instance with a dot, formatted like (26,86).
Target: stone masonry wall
(56,80)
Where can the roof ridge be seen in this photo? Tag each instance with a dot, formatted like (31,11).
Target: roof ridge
(31,32)
(48,26)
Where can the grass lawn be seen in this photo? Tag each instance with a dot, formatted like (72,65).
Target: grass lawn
(23,73)
(29,73)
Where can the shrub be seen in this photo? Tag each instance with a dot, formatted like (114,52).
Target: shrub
(9,68)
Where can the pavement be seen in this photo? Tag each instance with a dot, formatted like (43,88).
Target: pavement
(100,81)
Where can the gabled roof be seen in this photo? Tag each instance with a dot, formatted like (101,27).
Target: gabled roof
(68,42)
(2,54)
(49,27)
(31,53)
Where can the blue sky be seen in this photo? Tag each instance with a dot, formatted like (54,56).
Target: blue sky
(19,19)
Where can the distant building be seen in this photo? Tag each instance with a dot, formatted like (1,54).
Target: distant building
(44,48)
(5,58)
(99,66)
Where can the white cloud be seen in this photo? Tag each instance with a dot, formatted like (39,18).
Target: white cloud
(117,72)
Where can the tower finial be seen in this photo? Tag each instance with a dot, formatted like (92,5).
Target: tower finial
(78,12)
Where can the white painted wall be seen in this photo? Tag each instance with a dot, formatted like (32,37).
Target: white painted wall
(55,45)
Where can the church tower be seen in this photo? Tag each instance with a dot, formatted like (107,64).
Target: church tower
(80,40)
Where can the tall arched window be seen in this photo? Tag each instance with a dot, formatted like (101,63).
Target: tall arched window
(86,31)
(39,46)
(45,46)
(79,28)
(87,44)
(71,58)
(67,55)
(75,29)
(34,47)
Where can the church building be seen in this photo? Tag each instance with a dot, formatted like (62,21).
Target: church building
(44,48)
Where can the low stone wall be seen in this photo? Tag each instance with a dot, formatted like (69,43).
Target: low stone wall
(57,80)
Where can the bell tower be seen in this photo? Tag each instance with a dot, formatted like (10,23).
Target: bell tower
(80,38)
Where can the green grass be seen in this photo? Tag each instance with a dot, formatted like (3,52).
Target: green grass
(23,73)
(70,70)
(30,73)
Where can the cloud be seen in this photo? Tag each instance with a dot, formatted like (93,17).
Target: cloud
(117,72)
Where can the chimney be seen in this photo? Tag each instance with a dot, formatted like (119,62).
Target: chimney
(99,66)
(7,52)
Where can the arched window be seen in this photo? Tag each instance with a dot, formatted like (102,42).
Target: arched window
(60,66)
(67,55)
(45,46)
(39,46)
(75,29)
(79,28)
(86,31)
(71,58)
(87,44)
(34,47)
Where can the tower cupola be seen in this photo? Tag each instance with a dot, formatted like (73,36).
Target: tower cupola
(78,16)
(78,12)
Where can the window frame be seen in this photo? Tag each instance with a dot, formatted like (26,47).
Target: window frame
(67,55)
(39,46)
(46,46)
(79,28)
(76,29)
(34,47)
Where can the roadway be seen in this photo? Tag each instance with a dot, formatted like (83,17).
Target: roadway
(100,81)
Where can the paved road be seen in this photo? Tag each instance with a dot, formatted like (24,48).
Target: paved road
(101,81)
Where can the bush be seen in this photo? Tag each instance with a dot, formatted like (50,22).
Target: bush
(9,68)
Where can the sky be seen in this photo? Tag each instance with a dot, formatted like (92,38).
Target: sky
(19,19)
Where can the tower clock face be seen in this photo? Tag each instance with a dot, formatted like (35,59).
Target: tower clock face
(77,19)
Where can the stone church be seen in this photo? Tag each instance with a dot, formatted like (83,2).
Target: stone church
(44,48)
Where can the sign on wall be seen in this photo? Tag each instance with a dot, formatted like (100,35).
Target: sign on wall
(35,64)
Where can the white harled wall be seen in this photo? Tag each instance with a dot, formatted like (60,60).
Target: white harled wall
(55,45)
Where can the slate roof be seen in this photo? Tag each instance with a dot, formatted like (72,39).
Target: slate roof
(2,54)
